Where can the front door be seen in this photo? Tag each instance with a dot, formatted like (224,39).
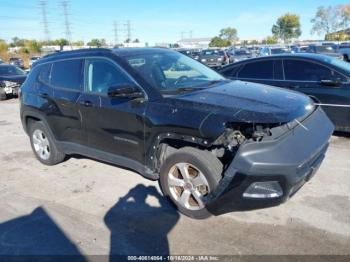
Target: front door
(113,124)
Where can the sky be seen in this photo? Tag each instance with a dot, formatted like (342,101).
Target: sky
(154,21)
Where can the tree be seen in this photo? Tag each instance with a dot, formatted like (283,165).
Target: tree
(219,42)
(32,46)
(136,41)
(229,33)
(343,13)
(325,21)
(78,43)
(3,46)
(97,42)
(287,27)
(270,40)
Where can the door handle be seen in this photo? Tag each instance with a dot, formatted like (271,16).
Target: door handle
(86,103)
(44,95)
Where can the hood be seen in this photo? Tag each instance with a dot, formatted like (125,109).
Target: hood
(16,78)
(237,101)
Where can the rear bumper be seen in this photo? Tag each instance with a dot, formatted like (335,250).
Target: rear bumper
(291,160)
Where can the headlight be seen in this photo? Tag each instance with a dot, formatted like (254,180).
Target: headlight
(220,59)
(204,60)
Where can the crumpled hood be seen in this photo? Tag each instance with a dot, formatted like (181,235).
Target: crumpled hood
(239,101)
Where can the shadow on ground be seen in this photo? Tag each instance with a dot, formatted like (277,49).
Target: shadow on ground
(136,228)
(139,228)
(35,234)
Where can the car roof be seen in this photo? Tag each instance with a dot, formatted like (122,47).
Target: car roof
(311,56)
(99,51)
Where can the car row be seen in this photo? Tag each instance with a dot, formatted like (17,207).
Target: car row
(214,144)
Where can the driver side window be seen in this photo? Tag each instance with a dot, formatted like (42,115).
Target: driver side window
(101,74)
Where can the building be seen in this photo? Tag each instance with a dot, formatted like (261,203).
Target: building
(194,42)
(342,35)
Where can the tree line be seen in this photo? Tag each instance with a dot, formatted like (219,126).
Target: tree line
(331,21)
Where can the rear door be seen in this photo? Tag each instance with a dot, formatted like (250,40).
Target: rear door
(67,83)
(311,78)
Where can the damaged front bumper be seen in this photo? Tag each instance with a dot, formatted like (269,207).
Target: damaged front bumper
(280,166)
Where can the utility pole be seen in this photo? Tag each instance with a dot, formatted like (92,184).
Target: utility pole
(128,30)
(190,33)
(182,33)
(65,5)
(43,6)
(115,25)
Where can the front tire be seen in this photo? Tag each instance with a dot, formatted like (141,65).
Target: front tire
(187,176)
(43,145)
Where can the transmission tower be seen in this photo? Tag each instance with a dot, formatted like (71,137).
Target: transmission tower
(43,6)
(65,5)
(128,30)
(182,34)
(115,26)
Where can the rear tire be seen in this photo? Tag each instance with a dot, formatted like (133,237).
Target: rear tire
(187,188)
(345,58)
(43,145)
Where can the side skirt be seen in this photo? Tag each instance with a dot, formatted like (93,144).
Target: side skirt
(72,148)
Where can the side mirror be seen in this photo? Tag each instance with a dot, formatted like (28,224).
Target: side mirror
(331,82)
(125,90)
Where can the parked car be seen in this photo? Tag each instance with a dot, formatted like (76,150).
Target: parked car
(190,53)
(214,58)
(33,59)
(215,145)
(320,76)
(266,51)
(1,62)
(299,48)
(16,61)
(329,50)
(239,55)
(344,51)
(11,78)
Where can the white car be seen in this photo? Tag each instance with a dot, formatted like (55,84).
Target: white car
(33,59)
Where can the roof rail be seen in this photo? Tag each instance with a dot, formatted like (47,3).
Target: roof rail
(77,51)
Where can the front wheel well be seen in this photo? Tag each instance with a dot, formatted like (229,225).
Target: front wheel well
(30,120)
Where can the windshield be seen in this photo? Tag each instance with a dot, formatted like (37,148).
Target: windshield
(212,52)
(172,72)
(325,49)
(10,71)
(275,51)
(242,52)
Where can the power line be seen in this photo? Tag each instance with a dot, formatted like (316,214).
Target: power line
(67,25)
(43,6)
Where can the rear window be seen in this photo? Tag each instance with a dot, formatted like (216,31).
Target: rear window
(67,74)
(257,70)
(44,73)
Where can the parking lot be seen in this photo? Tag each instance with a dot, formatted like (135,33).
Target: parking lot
(84,207)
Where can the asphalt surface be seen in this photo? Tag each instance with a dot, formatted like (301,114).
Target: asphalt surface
(84,207)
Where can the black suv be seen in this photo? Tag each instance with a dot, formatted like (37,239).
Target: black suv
(215,145)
